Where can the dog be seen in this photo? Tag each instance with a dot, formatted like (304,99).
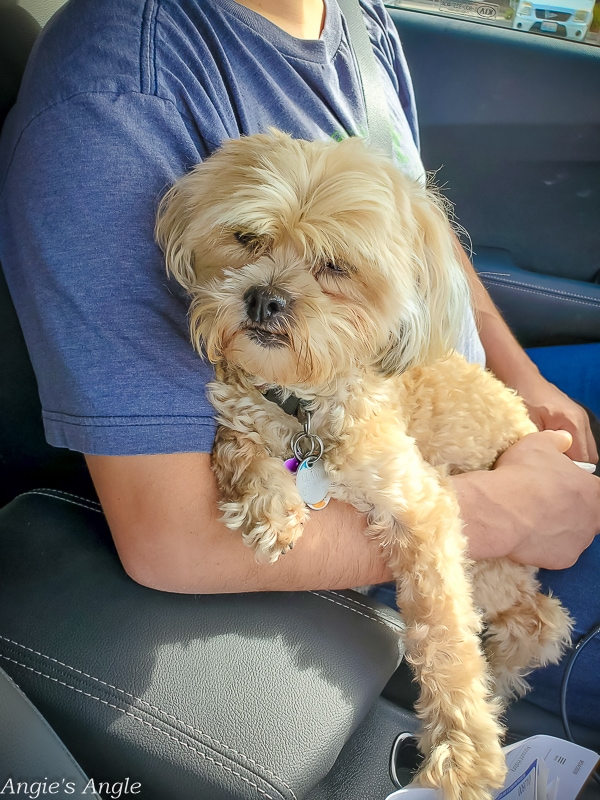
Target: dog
(322,276)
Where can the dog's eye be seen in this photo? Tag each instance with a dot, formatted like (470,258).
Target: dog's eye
(331,268)
(248,240)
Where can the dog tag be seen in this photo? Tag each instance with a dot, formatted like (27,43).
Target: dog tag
(313,483)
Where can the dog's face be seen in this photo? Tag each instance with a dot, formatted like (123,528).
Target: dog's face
(310,260)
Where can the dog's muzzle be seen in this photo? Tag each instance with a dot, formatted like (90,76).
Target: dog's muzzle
(267,309)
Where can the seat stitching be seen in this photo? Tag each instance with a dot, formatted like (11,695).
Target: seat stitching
(386,623)
(68,494)
(556,293)
(539,287)
(364,605)
(144,722)
(150,706)
(62,499)
(351,600)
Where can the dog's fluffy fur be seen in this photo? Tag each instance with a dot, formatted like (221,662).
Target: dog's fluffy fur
(369,298)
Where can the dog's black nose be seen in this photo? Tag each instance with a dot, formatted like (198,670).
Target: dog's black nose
(264,303)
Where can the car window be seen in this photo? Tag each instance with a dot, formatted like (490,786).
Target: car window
(573,20)
(41,10)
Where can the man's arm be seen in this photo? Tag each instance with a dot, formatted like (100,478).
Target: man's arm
(548,407)
(162,510)
(163,515)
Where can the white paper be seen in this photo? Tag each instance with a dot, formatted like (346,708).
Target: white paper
(569,763)
(539,768)
(523,787)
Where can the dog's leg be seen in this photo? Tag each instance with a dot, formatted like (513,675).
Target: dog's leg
(467,429)
(416,520)
(461,733)
(525,629)
(258,495)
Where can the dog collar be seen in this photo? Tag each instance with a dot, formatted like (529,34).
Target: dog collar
(292,405)
(306,464)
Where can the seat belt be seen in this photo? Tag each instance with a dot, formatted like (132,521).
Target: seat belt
(378,119)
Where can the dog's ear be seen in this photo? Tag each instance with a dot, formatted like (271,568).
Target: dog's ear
(176,229)
(436,293)
(197,209)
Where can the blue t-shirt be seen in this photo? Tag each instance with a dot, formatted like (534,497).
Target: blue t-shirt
(119,99)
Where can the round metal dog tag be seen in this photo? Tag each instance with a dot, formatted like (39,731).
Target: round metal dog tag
(313,483)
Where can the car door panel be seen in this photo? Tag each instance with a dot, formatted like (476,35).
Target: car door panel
(541,309)
(510,122)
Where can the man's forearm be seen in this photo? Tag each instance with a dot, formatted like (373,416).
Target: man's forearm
(504,355)
(536,507)
(164,517)
(548,407)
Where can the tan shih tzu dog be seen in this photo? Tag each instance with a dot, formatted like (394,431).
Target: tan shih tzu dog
(320,274)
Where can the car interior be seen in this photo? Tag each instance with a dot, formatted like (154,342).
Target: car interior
(286,695)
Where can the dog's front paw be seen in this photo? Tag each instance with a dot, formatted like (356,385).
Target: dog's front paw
(462,770)
(275,535)
(270,525)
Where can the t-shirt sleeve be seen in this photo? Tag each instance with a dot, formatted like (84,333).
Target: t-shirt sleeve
(106,329)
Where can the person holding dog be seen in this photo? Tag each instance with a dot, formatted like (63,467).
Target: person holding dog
(101,130)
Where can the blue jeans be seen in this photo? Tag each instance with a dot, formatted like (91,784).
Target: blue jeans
(576,370)
(573,368)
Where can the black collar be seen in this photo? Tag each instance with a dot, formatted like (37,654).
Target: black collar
(291,406)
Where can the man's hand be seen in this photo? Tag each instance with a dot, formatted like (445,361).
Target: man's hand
(551,410)
(535,506)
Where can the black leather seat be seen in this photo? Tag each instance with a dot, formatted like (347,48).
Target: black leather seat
(216,697)
(28,745)
(30,748)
